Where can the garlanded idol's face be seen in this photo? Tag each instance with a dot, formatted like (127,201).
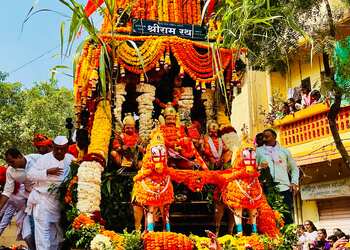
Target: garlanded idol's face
(170,120)
(129,129)
(213,130)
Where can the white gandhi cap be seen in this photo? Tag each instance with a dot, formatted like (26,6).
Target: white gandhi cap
(60,140)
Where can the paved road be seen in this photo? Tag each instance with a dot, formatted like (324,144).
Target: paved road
(8,238)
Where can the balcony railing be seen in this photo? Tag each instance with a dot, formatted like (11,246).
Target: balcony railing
(310,124)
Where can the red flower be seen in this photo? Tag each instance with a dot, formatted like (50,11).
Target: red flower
(96,216)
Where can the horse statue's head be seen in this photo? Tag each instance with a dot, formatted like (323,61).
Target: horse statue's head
(155,159)
(246,157)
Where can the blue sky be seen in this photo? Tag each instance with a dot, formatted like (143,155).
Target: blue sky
(41,34)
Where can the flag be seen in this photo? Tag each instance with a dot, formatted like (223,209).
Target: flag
(92,6)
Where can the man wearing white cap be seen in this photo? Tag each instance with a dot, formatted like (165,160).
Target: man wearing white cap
(50,171)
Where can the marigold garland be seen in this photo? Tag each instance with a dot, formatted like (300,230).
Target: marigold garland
(86,77)
(266,220)
(101,130)
(166,240)
(188,12)
(117,240)
(234,242)
(199,66)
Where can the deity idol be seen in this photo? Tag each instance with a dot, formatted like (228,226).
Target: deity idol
(216,153)
(181,151)
(126,148)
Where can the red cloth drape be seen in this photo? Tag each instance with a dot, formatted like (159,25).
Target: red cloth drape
(92,6)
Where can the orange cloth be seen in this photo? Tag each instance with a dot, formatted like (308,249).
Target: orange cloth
(41,141)
(127,140)
(176,139)
(92,6)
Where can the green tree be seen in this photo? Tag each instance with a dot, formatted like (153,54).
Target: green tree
(25,112)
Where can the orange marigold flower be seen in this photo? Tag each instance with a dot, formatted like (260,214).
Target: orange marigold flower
(82,220)
(113,235)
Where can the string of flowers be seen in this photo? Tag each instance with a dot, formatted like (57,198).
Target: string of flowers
(166,240)
(86,77)
(198,66)
(101,131)
(255,242)
(89,187)
(176,11)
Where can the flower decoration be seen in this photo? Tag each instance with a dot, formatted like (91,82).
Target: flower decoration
(82,220)
(166,240)
(101,242)
(89,187)
(101,130)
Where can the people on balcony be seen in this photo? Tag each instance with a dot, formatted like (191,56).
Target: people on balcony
(293,106)
(315,97)
(305,96)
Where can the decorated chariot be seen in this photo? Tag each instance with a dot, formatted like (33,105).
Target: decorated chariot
(147,94)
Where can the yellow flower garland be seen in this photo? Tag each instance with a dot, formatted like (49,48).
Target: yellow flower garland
(101,130)
(149,50)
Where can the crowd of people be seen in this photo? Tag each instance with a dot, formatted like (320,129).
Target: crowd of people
(29,190)
(311,238)
(283,169)
(306,98)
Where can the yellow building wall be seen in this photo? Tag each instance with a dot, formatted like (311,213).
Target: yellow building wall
(279,84)
(310,211)
(301,68)
(247,105)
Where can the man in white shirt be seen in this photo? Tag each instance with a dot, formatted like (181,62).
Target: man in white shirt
(280,162)
(49,172)
(15,193)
